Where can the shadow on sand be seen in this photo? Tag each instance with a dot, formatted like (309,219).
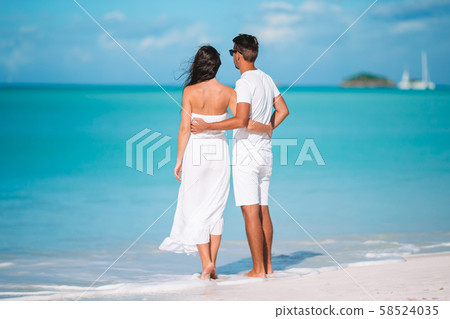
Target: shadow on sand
(279,262)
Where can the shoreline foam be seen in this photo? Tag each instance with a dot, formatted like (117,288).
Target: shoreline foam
(414,277)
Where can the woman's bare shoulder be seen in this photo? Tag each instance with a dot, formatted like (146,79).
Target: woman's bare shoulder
(187,89)
(190,92)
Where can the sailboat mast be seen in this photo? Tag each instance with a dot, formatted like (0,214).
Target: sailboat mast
(424,68)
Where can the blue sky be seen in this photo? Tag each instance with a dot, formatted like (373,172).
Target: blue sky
(56,42)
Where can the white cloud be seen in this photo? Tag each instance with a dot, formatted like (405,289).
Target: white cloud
(192,35)
(311,7)
(114,16)
(412,9)
(18,52)
(106,42)
(281,18)
(28,28)
(277,5)
(272,35)
(18,57)
(278,27)
(14,55)
(282,23)
(78,54)
(403,17)
(320,7)
(409,26)
(160,41)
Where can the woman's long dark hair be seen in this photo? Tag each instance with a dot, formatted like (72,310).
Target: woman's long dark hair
(204,67)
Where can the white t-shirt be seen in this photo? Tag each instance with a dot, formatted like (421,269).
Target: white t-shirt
(258,89)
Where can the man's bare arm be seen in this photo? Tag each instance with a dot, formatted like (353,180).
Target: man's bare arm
(238,121)
(281,111)
(258,127)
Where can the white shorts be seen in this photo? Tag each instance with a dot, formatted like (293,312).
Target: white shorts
(252,169)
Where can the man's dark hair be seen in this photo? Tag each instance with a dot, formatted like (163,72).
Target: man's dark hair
(248,46)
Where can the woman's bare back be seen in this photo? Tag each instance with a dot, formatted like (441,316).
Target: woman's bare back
(210,97)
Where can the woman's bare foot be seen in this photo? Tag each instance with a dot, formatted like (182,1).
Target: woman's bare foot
(252,273)
(206,274)
(213,274)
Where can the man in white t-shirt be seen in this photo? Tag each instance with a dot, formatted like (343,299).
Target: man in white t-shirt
(252,152)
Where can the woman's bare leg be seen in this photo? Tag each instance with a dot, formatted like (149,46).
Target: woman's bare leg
(207,265)
(214,248)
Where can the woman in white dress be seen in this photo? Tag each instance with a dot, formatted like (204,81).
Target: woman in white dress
(203,164)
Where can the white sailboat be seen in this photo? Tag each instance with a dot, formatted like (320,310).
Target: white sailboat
(425,84)
(405,83)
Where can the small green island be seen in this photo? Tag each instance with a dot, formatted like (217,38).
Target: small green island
(367,80)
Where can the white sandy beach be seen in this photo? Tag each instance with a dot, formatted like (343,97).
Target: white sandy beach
(420,277)
(414,277)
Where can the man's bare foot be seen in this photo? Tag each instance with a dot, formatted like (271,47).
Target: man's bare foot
(269,270)
(206,274)
(252,273)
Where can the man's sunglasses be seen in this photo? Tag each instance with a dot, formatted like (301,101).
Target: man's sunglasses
(233,52)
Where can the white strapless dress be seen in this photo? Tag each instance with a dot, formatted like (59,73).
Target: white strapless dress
(203,191)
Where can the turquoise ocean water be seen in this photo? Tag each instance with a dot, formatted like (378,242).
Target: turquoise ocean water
(69,206)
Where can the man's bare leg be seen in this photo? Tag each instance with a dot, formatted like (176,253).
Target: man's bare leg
(205,256)
(214,248)
(253,228)
(268,236)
